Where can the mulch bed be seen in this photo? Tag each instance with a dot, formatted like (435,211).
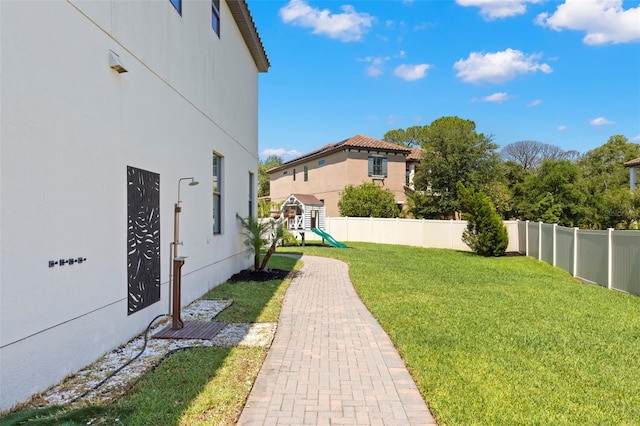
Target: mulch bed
(259,276)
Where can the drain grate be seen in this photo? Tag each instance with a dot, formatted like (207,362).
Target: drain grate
(192,330)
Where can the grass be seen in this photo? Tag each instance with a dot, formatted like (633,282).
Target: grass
(199,386)
(497,341)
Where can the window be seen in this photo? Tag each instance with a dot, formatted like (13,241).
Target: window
(215,16)
(250,194)
(377,166)
(294,174)
(178,5)
(321,162)
(306,173)
(217,193)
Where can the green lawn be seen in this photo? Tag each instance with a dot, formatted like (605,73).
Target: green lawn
(502,341)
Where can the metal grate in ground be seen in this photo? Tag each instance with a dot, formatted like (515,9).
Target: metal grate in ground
(192,330)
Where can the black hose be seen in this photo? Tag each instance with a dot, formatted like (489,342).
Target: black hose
(103,381)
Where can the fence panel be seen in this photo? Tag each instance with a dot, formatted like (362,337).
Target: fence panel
(593,256)
(626,261)
(410,232)
(522,236)
(534,238)
(564,248)
(546,237)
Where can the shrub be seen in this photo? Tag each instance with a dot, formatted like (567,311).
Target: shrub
(367,200)
(485,234)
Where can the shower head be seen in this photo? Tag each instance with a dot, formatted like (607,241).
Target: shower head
(192,183)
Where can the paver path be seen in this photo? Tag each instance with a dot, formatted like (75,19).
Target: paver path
(330,362)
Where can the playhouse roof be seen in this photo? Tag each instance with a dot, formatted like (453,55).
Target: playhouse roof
(307,200)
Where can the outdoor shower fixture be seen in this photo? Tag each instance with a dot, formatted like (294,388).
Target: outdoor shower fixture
(177,261)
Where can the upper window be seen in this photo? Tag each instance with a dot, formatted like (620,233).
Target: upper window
(217,193)
(215,16)
(294,174)
(306,173)
(178,5)
(377,166)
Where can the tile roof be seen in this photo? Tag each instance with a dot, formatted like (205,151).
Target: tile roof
(632,163)
(356,142)
(415,155)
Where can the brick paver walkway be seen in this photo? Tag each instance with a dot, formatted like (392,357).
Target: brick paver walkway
(330,362)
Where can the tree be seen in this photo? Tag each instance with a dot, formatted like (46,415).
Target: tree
(257,236)
(607,182)
(367,200)
(454,152)
(263,178)
(531,154)
(411,137)
(556,190)
(485,234)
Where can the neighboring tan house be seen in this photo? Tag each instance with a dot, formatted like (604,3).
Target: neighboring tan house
(633,166)
(326,171)
(105,107)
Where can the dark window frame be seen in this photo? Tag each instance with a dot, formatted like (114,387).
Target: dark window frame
(215,16)
(217,192)
(177,4)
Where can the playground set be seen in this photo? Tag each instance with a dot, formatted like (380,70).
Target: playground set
(305,213)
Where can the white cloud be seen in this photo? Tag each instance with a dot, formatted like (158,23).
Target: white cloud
(562,128)
(600,121)
(497,9)
(411,72)
(604,21)
(281,152)
(498,67)
(377,65)
(635,139)
(498,97)
(534,103)
(346,26)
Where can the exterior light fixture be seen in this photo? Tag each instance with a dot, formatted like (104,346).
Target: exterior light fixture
(116,63)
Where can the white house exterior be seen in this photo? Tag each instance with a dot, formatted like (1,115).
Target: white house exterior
(80,140)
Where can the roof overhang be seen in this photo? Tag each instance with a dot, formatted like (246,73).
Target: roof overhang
(242,16)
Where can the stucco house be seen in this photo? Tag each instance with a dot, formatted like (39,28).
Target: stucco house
(325,172)
(108,109)
(633,166)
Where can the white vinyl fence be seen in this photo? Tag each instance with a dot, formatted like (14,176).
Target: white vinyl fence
(411,232)
(607,258)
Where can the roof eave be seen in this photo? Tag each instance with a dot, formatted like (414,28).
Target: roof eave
(242,16)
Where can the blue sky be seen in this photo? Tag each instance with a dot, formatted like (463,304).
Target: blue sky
(565,72)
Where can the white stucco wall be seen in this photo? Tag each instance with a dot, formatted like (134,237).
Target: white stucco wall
(70,126)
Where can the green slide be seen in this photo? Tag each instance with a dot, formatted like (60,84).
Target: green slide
(329,238)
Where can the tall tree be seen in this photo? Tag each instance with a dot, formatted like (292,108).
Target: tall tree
(531,154)
(454,152)
(263,178)
(607,182)
(411,137)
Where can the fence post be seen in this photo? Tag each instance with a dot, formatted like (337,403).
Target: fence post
(555,228)
(575,252)
(610,258)
(526,238)
(539,240)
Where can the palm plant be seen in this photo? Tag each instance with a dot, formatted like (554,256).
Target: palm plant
(255,237)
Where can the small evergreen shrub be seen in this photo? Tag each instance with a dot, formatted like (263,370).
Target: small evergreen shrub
(486,234)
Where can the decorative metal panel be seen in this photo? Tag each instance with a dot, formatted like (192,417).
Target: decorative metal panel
(143,238)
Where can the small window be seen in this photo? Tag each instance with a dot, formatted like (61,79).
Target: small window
(251,196)
(285,172)
(306,173)
(215,16)
(294,174)
(178,5)
(321,163)
(377,166)
(217,193)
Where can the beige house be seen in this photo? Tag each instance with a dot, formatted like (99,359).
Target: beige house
(326,171)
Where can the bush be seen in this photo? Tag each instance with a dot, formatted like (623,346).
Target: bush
(485,234)
(367,200)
